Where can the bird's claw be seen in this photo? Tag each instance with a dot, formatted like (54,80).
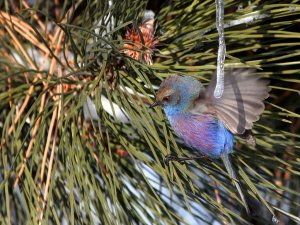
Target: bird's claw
(171,157)
(181,160)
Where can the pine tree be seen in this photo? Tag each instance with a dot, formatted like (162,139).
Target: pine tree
(79,143)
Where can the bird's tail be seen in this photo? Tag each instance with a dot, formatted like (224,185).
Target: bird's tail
(232,174)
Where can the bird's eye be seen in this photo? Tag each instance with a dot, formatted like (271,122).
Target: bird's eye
(167,99)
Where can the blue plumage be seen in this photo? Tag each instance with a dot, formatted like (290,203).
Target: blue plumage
(202,132)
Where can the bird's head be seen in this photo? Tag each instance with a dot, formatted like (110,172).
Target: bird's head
(177,92)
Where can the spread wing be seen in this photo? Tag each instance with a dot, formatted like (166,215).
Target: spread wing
(241,103)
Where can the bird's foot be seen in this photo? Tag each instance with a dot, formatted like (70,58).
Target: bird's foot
(171,157)
(181,160)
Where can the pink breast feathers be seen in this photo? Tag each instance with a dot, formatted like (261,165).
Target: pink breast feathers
(198,131)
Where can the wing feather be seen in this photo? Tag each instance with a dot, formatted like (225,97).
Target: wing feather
(241,103)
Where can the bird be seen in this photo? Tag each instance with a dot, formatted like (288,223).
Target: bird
(208,124)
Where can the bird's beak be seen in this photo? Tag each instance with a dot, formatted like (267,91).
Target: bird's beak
(156,103)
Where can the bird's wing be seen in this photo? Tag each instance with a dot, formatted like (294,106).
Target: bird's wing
(241,103)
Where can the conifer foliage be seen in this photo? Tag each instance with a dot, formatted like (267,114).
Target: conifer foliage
(79,143)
